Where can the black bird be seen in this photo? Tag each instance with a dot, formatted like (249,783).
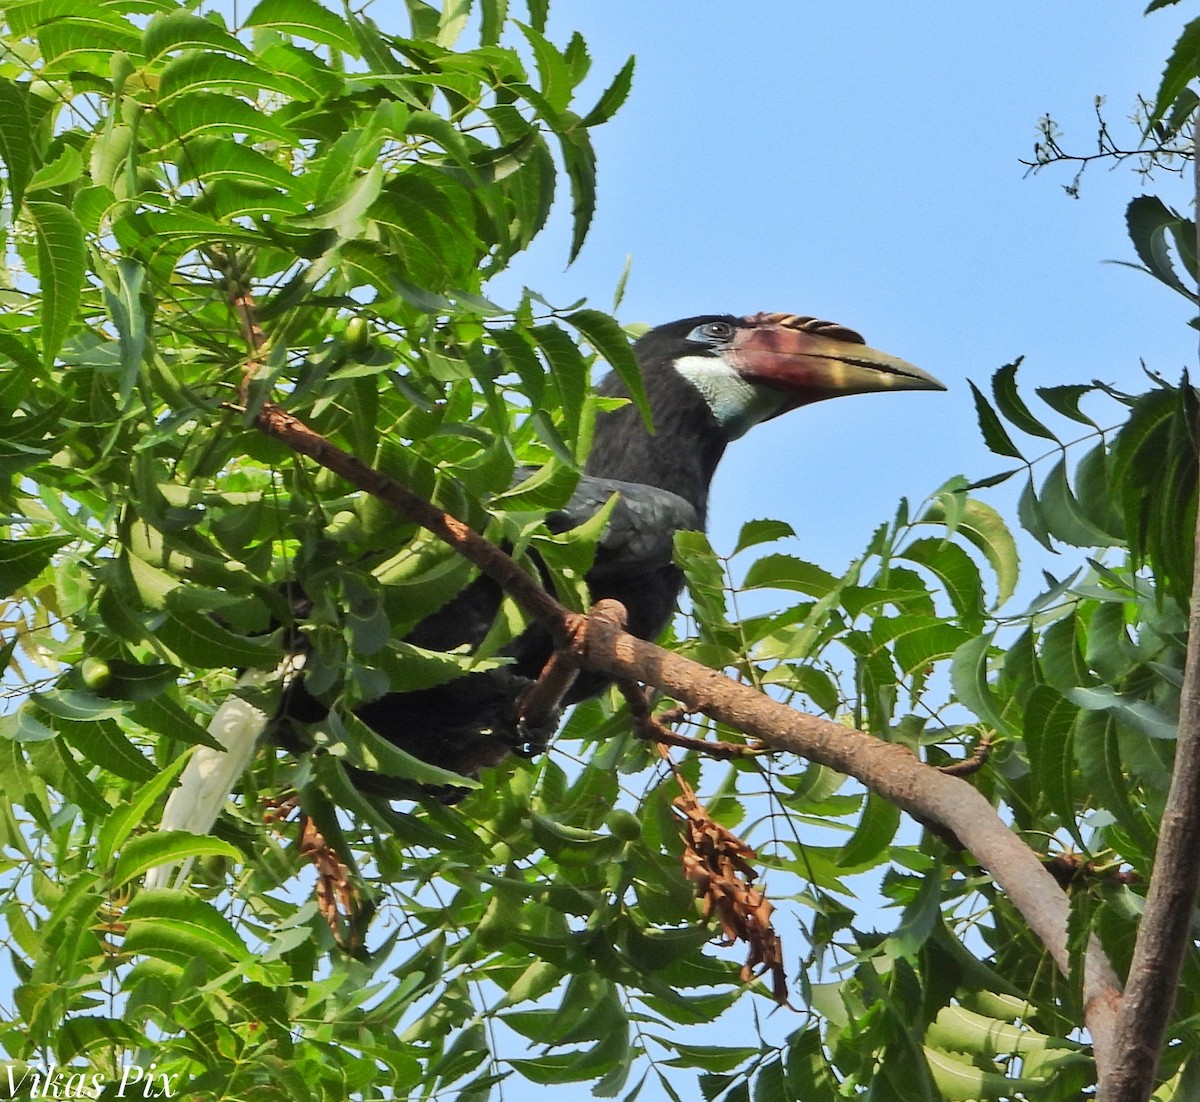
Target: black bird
(708,380)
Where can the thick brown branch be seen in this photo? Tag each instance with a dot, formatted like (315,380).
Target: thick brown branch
(888,769)
(1165,931)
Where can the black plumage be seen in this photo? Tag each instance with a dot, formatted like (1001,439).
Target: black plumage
(708,379)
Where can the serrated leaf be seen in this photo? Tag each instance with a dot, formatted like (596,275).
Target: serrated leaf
(579,160)
(781,571)
(165,847)
(969,676)
(61,265)
(23,560)
(985,528)
(612,97)
(180,30)
(201,641)
(1065,400)
(872,838)
(1031,516)
(957,571)
(105,744)
(1149,220)
(1011,405)
(304,19)
(994,433)
(1049,735)
(756,532)
(370,750)
(610,343)
(1138,715)
(1063,516)
(1097,752)
(16,141)
(179,926)
(567,369)
(1182,67)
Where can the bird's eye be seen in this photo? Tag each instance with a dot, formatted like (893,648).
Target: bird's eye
(712,331)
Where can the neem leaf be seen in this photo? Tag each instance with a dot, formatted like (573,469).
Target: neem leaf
(1182,66)
(985,528)
(1148,220)
(180,30)
(994,433)
(165,847)
(612,97)
(61,265)
(755,532)
(305,19)
(16,141)
(1004,390)
(610,342)
(23,560)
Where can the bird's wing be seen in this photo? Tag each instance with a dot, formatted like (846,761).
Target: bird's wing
(641,530)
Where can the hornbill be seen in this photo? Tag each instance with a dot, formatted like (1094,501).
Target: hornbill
(708,380)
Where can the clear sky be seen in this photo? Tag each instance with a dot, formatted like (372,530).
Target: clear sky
(860,162)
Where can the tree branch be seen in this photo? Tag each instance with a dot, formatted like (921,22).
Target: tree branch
(1165,931)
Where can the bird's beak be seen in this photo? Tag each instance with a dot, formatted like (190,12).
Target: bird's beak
(811,360)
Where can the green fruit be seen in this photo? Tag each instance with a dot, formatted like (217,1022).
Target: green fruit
(96,673)
(623,824)
(358,334)
(345,527)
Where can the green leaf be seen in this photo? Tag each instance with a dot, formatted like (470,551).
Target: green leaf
(180,927)
(579,159)
(180,30)
(128,815)
(612,97)
(1065,400)
(994,434)
(788,572)
(23,560)
(969,676)
(1182,67)
(958,573)
(304,19)
(369,750)
(125,309)
(610,342)
(567,369)
(1149,220)
(1032,516)
(61,266)
(1065,519)
(104,744)
(201,641)
(983,526)
(1049,739)
(16,140)
(1010,404)
(756,532)
(1097,750)
(871,841)
(1137,715)
(139,855)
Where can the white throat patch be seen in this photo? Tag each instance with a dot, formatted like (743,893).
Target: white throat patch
(736,404)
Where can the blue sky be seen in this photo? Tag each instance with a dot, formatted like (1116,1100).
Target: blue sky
(860,162)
